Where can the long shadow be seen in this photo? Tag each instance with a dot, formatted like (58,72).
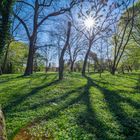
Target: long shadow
(20,99)
(11,95)
(55,100)
(128,77)
(88,117)
(61,107)
(137,88)
(105,82)
(130,124)
(115,94)
(7,79)
(95,126)
(89,120)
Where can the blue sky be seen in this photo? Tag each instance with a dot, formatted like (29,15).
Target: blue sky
(50,24)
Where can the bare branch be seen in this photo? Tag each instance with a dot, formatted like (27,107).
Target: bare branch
(59,12)
(24,24)
(21,1)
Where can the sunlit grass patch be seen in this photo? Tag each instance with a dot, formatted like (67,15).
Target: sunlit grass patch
(75,108)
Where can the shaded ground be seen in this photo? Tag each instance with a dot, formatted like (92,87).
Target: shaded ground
(79,108)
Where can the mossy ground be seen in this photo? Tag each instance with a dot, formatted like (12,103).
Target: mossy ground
(76,108)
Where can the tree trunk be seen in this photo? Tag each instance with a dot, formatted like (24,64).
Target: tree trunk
(46,68)
(71,66)
(113,71)
(123,70)
(130,68)
(5,24)
(88,67)
(86,58)
(0,71)
(5,58)
(29,67)
(2,127)
(61,69)
(0,64)
(61,60)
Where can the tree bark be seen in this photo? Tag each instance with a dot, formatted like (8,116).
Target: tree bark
(46,68)
(0,71)
(29,67)
(86,58)
(88,67)
(4,24)
(2,127)
(71,66)
(61,60)
(113,71)
(5,58)
(32,39)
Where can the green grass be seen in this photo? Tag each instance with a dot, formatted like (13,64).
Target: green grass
(77,108)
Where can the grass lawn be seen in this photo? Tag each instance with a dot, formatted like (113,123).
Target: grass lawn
(76,108)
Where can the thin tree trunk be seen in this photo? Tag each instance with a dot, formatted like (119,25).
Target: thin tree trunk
(88,67)
(0,64)
(46,68)
(0,71)
(71,66)
(130,68)
(61,60)
(29,67)
(32,38)
(113,70)
(5,58)
(86,58)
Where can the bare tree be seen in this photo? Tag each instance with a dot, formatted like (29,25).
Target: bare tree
(93,57)
(38,9)
(95,23)
(61,60)
(76,45)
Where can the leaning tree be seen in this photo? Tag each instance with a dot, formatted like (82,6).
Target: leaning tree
(33,15)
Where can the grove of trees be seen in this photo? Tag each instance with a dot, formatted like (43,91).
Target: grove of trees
(69,69)
(73,35)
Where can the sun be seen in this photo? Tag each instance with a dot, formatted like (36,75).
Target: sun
(89,22)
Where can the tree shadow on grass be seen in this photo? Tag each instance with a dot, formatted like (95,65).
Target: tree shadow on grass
(54,100)
(89,119)
(130,125)
(90,122)
(63,103)
(8,78)
(18,99)
(137,88)
(105,82)
(5,78)
(128,75)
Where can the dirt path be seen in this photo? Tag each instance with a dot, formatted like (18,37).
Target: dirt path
(22,135)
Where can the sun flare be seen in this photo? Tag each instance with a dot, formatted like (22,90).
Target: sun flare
(89,22)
